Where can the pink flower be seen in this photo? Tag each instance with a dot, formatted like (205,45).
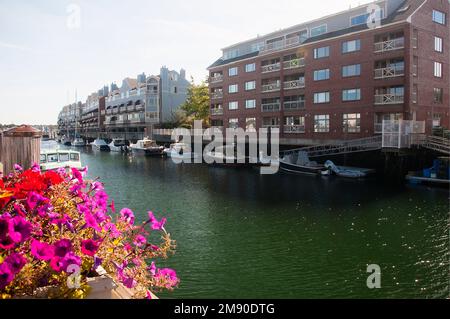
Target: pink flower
(89,247)
(21,229)
(34,199)
(16,262)
(169,276)
(155,224)
(140,240)
(77,175)
(92,222)
(127,215)
(42,251)
(152,268)
(149,295)
(6,275)
(63,247)
(113,208)
(6,227)
(36,168)
(129,282)
(17,167)
(59,264)
(113,230)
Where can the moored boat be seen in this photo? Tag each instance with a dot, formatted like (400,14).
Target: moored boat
(78,142)
(147,147)
(344,171)
(299,163)
(100,145)
(118,145)
(180,151)
(438,175)
(227,155)
(53,159)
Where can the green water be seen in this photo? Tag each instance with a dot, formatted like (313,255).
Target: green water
(243,235)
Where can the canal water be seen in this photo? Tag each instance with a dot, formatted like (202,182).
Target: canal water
(243,235)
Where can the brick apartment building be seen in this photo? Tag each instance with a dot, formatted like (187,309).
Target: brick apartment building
(339,77)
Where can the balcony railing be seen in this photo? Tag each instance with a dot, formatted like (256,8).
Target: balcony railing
(270,125)
(217,95)
(389,72)
(385,99)
(215,79)
(131,108)
(296,84)
(389,45)
(294,129)
(122,109)
(270,107)
(115,111)
(137,120)
(294,105)
(271,67)
(280,45)
(295,63)
(217,111)
(140,107)
(270,87)
(109,111)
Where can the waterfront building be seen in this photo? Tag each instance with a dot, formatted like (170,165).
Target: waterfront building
(140,104)
(68,119)
(93,114)
(338,77)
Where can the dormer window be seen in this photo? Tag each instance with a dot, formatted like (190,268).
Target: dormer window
(318,30)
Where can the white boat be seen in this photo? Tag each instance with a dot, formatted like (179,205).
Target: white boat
(147,147)
(180,151)
(299,163)
(78,142)
(55,159)
(118,145)
(100,145)
(66,141)
(226,155)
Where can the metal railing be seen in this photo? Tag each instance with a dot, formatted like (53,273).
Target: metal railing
(216,95)
(389,45)
(294,129)
(270,87)
(217,111)
(270,107)
(271,67)
(215,79)
(279,45)
(389,72)
(296,84)
(294,105)
(295,63)
(386,99)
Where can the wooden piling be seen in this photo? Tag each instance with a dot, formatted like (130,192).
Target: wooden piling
(20,145)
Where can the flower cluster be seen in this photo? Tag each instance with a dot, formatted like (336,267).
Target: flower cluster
(56,221)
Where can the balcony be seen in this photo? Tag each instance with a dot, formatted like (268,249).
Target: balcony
(217,111)
(294,129)
(122,109)
(115,110)
(140,108)
(280,45)
(216,95)
(294,105)
(270,107)
(389,72)
(109,111)
(389,45)
(296,84)
(131,108)
(216,79)
(292,64)
(271,67)
(270,87)
(387,99)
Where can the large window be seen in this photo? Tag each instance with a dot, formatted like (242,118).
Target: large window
(438,44)
(321,97)
(351,95)
(321,52)
(351,123)
(233,105)
(320,75)
(321,123)
(351,46)
(250,104)
(351,70)
(438,69)
(250,67)
(294,124)
(250,124)
(439,17)
(233,88)
(438,94)
(233,71)
(233,123)
(363,18)
(251,85)
(318,30)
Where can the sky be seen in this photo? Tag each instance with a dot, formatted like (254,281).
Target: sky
(52,51)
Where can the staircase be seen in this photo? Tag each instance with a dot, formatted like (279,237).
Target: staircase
(345,147)
(436,143)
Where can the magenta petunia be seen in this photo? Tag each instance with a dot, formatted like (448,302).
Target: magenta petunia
(155,224)
(16,262)
(89,247)
(140,240)
(129,282)
(57,264)
(152,268)
(62,247)
(6,275)
(21,229)
(71,259)
(168,275)
(17,167)
(6,227)
(34,199)
(36,168)
(92,222)
(77,175)
(42,251)
(113,207)
(127,215)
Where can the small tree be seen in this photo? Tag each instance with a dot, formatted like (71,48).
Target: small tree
(196,106)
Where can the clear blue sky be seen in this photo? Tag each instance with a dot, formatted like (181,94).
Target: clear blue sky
(45,54)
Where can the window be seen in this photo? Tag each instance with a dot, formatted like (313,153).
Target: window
(233,71)
(52,158)
(351,70)
(321,97)
(351,46)
(233,105)
(63,157)
(438,69)
(251,85)
(438,44)
(320,75)
(439,17)
(250,67)
(74,157)
(271,121)
(318,30)
(351,123)
(363,18)
(233,123)
(321,123)
(233,88)
(250,124)
(438,94)
(43,158)
(250,104)
(294,124)
(321,52)
(351,95)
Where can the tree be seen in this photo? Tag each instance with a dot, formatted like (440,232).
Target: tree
(196,106)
